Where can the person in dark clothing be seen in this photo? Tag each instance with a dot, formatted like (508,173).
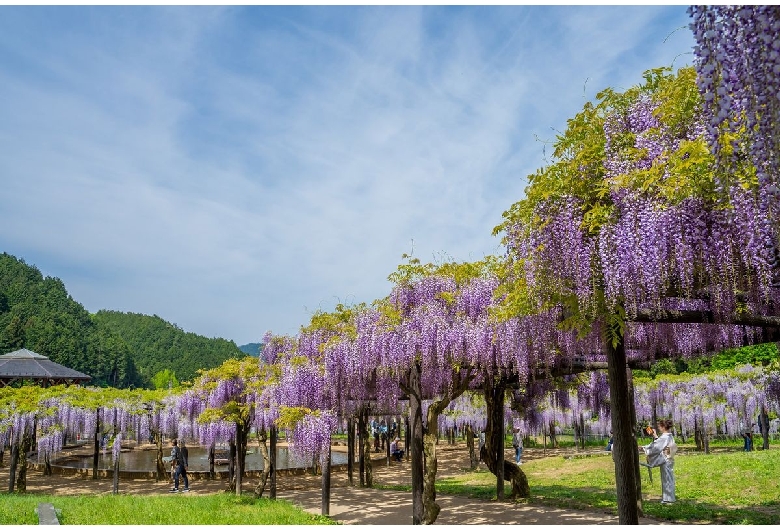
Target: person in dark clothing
(747,436)
(179,463)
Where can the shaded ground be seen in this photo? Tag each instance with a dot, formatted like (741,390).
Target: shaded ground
(353,505)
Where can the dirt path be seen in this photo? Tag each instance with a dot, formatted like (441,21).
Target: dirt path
(353,505)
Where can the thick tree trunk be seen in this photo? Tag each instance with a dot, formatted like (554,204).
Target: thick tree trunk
(415,447)
(351,451)
(493,452)
(232,467)
(387,445)
(21,476)
(115,486)
(553,436)
(12,467)
(580,427)
(763,425)
(326,484)
(654,418)
(262,446)
(212,457)
(430,508)
(272,450)
(624,443)
(242,436)
(96,451)
(473,457)
(632,414)
(361,448)
(159,464)
(407,438)
(367,465)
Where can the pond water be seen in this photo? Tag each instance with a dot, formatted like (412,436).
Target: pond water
(144,460)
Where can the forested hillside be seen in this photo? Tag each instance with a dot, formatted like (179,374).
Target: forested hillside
(116,349)
(159,345)
(253,349)
(37,313)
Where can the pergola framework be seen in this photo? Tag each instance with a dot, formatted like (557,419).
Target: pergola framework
(26,365)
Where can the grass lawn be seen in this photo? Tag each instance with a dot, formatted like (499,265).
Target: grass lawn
(722,488)
(221,508)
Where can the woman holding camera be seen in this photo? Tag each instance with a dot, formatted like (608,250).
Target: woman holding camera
(660,453)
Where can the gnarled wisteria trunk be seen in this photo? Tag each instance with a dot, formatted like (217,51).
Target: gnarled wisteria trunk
(430,438)
(413,389)
(262,442)
(473,457)
(553,437)
(21,477)
(493,451)
(430,508)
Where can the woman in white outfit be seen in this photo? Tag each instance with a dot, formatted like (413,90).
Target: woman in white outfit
(660,453)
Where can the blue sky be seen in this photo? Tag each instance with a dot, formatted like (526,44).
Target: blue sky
(234,169)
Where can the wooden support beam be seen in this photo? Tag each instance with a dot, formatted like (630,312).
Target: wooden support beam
(674,316)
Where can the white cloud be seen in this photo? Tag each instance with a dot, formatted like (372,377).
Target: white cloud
(233,170)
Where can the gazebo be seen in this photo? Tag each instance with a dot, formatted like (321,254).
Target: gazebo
(26,365)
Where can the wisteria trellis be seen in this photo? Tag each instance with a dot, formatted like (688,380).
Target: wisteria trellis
(679,211)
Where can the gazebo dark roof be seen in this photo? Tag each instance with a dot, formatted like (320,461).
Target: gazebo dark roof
(27,365)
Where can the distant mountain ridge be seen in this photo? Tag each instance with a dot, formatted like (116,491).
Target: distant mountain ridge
(253,348)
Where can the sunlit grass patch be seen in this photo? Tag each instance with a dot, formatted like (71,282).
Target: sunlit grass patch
(725,488)
(220,508)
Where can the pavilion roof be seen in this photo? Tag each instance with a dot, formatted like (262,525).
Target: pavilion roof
(28,365)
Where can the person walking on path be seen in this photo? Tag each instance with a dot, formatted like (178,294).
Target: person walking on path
(660,453)
(517,443)
(180,467)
